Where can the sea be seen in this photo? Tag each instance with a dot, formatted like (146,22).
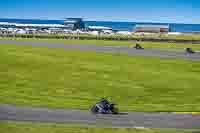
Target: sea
(121,26)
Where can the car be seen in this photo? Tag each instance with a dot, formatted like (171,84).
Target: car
(104,107)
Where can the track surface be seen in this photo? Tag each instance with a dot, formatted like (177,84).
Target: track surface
(109,49)
(129,120)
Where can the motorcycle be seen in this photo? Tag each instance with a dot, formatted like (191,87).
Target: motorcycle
(104,107)
(138,46)
(189,51)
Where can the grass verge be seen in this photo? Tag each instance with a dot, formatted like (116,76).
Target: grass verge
(58,78)
(10,127)
(193,113)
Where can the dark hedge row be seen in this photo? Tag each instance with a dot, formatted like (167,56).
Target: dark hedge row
(102,37)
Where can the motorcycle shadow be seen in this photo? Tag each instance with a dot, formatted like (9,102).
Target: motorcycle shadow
(106,114)
(122,114)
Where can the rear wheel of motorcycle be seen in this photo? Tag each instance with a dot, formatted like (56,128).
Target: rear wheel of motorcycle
(94,110)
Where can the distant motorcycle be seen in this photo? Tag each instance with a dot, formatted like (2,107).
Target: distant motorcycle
(138,46)
(189,51)
(104,107)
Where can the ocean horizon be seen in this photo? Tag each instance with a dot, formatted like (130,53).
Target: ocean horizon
(122,26)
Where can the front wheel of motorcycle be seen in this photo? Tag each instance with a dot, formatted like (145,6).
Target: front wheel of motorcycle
(115,111)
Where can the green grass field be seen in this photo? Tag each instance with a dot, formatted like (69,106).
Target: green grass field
(149,45)
(9,127)
(58,78)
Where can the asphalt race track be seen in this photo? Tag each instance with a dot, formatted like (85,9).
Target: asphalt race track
(126,120)
(109,49)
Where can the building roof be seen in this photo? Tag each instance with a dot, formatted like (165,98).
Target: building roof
(151,26)
(6,23)
(39,25)
(72,20)
(99,28)
(77,19)
(33,25)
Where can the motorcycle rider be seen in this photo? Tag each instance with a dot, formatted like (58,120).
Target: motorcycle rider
(103,105)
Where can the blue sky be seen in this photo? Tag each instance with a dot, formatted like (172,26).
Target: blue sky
(180,11)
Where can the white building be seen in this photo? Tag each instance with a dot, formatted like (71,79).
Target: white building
(152,28)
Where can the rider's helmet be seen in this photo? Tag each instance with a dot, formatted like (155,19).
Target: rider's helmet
(104,101)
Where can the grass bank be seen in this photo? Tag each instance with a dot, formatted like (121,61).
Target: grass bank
(9,127)
(58,78)
(183,36)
